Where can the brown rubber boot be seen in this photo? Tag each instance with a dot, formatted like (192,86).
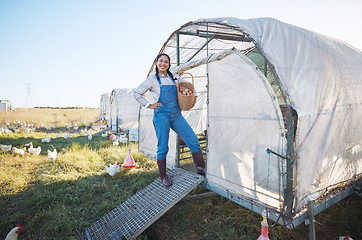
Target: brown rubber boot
(199,162)
(162,170)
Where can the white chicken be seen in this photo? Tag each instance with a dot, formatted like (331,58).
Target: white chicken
(90,137)
(123,138)
(35,151)
(6,147)
(52,155)
(112,170)
(116,142)
(104,134)
(28,144)
(8,131)
(46,139)
(66,135)
(13,234)
(345,238)
(19,151)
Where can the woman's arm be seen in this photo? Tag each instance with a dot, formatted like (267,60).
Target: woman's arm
(140,92)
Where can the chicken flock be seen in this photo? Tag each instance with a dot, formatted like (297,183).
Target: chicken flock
(52,154)
(29,147)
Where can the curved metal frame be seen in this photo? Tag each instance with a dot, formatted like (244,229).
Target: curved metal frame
(244,36)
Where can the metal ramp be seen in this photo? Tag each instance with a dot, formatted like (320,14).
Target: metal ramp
(137,213)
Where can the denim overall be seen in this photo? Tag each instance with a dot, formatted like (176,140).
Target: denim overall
(169,116)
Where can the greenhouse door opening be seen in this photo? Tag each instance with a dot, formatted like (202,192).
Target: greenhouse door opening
(185,160)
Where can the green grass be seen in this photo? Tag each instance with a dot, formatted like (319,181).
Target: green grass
(58,200)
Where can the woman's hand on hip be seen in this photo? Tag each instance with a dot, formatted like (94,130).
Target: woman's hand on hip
(155,105)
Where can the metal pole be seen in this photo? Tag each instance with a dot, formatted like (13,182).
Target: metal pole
(311,224)
(178,48)
(205,44)
(275,153)
(291,157)
(178,64)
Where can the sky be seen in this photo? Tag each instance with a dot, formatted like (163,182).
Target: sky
(67,53)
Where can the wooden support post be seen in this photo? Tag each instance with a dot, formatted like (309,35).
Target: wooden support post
(199,196)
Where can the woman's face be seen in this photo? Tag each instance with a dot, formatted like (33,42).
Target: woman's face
(163,64)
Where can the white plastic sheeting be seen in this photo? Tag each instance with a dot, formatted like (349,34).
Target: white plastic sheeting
(124,109)
(104,107)
(322,79)
(244,121)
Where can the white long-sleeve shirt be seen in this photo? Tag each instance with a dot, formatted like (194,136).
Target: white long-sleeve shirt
(151,84)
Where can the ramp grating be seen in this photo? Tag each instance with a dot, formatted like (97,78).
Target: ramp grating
(137,213)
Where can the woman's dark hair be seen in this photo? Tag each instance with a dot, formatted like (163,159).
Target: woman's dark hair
(168,70)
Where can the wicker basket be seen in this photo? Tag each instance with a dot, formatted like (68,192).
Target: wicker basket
(185,102)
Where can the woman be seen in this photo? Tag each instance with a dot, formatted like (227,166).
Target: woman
(167,114)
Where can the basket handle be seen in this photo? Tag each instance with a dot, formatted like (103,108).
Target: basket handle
(185,73)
